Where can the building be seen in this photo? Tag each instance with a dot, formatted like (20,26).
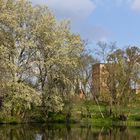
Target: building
(102,75)
(99,76)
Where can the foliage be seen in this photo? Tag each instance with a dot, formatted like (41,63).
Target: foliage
(43,65)
(39,58)
(121,75)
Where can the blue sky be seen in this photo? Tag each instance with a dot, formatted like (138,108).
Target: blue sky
(100,20)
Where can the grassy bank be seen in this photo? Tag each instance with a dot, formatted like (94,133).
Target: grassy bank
(81,112)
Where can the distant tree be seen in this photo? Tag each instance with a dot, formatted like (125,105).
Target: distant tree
(123,76)
(85,70)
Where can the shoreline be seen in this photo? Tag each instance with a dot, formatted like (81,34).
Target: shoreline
(89,122)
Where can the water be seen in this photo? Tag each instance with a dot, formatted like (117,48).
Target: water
(62,132)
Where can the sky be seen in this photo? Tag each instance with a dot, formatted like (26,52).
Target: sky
(100,20)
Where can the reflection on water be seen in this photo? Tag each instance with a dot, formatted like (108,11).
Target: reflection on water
(62,132)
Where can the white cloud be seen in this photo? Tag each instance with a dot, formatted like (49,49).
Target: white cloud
(135,5)
(72,9)
(92,32)
(96,33)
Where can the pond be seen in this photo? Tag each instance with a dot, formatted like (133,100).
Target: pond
(63,132)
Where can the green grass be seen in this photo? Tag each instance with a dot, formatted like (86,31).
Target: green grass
(84,112)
